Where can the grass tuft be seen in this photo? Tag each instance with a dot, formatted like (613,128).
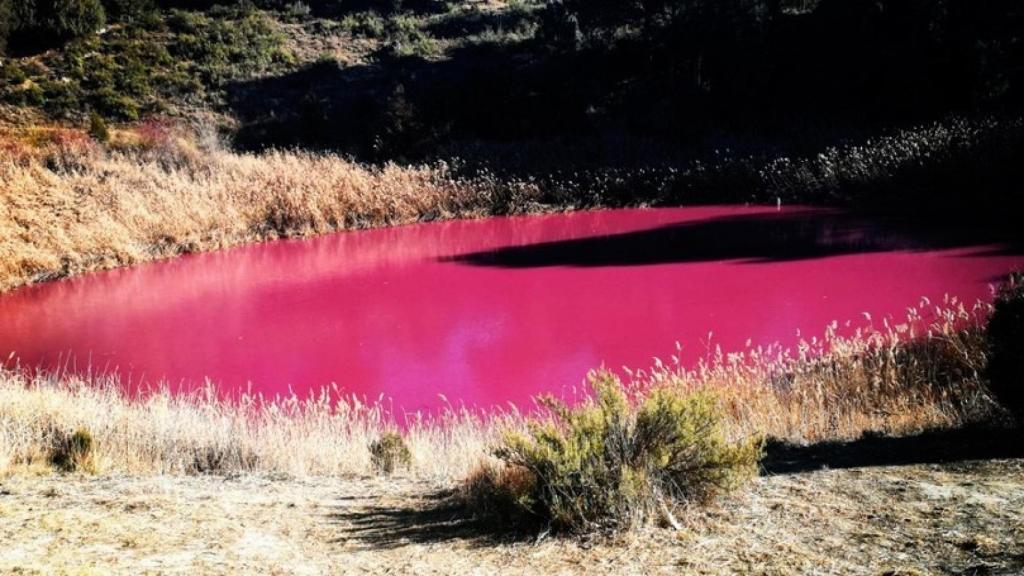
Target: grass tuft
(74,452)
(389,452)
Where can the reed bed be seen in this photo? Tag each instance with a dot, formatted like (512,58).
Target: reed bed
(69,204)
(897,378)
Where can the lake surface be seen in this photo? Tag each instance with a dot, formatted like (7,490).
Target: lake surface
(492,311)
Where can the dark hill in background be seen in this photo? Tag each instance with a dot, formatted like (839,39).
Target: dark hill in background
(913,103)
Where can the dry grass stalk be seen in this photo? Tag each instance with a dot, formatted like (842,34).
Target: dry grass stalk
(902,378)
(69,205)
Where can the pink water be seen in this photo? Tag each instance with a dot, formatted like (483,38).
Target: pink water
(491,311)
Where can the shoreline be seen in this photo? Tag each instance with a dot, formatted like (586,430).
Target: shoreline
(157,190)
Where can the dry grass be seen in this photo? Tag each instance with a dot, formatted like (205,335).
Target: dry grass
(900,379)
(69,205)
(166,433)
(925,519)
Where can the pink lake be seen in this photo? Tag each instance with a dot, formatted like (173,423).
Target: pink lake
(491,311)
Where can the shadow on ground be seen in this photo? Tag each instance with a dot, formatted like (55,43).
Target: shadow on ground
(433,519)
(932,447)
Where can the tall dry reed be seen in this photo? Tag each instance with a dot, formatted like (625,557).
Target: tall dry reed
(69,205)
(919,374)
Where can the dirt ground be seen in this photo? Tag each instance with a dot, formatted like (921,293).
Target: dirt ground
(961,518)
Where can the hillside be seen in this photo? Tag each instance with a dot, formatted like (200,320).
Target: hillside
(519,83)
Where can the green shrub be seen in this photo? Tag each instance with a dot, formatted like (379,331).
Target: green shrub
(60,99)
(7,22)
(74,452)
(113,104)
(611,463)
(130,10)
(98,128)
(298,10)
(29,95)
(404,36)
(389,453)
(12,74)
(365,24)
(70,18)
(1006,344)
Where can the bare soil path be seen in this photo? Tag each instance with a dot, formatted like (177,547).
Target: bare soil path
(962,518)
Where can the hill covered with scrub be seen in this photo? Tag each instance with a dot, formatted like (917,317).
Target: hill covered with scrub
(521,84)
(898,104)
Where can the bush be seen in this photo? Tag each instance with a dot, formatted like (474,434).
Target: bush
(113,104)
(70,18)
(7,23)
(298,10)
(389,453)
(365,24)
(611,463)
(1006,343)
(130,10)
(404,36)
(12,74)
(98,128)
(60,99)
(74,452)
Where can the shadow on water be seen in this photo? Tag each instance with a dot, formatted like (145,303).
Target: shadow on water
(783,236)
(930,447)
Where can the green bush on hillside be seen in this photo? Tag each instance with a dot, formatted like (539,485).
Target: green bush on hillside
(7,23)
(611,463)
(365,24)
(1006,343)
(71,18)
(131,10)
(98,128)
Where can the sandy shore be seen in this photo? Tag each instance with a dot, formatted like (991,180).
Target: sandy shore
(952,518)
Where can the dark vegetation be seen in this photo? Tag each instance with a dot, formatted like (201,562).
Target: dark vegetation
(640,83)
(1006,341)
(627,82)
(906,104)
(151,62)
